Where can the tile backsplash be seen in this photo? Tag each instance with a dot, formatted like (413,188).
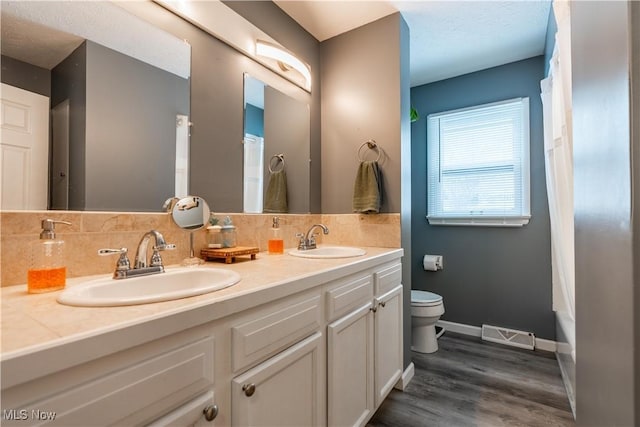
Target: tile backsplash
(90,231)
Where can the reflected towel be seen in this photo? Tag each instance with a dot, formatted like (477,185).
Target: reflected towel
(367,190)
(275,200)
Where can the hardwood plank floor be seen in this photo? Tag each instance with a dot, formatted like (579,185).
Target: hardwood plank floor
(470,382)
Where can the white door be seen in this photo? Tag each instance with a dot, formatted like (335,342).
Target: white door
(388,342)
(350,369)
(285,390)
(24,149)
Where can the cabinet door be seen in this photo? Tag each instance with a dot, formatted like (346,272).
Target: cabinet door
(285,390)
(350,368)
(388,342)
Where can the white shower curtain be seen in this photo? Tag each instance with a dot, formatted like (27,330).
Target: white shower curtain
(558,147)
(253,173)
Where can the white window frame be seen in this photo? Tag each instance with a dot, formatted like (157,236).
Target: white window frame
(434,198)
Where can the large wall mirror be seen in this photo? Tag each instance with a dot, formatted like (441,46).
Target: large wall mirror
(276,150)
(116,90)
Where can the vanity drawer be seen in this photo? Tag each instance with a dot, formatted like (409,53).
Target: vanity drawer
(345,296)
(110,392)
(387,278)
(267,331)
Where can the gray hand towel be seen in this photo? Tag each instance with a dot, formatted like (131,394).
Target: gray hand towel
(275,200)
(367,190)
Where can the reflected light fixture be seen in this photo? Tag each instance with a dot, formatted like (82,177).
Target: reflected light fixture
(286,60)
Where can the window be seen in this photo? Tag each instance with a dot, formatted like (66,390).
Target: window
(478,165)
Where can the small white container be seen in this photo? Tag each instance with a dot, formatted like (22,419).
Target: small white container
(214,236)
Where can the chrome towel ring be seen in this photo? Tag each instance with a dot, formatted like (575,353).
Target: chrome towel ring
(372,145)
(279,159)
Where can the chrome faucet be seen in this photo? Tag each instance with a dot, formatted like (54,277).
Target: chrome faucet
(308,240)
(140,265)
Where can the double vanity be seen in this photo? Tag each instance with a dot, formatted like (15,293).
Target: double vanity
(295,341)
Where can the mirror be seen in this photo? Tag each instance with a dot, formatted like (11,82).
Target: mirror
(117,92)
(191,213)
(276,146)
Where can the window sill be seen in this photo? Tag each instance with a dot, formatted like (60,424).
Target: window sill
(480,222)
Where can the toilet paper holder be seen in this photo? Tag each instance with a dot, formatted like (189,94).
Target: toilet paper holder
(432,262)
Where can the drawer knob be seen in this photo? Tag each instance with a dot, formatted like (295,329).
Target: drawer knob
(249,389)
(210,412)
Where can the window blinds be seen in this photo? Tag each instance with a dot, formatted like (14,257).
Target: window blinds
(478,165)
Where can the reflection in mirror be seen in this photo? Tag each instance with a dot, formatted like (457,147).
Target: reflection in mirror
(191,213)
(117,121)
(276,145)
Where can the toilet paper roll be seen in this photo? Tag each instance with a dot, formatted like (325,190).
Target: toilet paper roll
(432,262)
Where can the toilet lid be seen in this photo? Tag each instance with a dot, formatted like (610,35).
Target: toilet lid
(424,298)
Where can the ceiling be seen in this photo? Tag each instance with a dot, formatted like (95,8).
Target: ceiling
(447,38)
(44,33)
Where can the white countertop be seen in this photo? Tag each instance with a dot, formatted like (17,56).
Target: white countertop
(35,324)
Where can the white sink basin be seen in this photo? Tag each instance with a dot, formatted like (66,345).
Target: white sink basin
(329,252)
(170,285)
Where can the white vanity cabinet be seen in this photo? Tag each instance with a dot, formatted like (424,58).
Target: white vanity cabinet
(284,390)
(350,351)
(388,329)
(388,343)
(317,350)
(132,387)
(364,346)
(283,346)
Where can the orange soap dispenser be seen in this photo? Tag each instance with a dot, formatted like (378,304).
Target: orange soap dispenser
(48,271)
(276,243)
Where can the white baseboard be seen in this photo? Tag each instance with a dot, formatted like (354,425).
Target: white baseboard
(460,328)
(476,331)
(546,345)
(406,377)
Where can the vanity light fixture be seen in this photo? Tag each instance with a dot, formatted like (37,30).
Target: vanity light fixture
(286,60)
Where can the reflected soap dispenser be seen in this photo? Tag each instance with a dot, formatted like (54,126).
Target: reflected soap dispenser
(48,271)
(276,243)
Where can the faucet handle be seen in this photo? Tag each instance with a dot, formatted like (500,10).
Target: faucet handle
(123,263)
(165,247)
(156,259)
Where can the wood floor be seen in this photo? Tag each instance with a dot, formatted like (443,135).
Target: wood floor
(470,382)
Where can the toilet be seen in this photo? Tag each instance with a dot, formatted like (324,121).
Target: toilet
(426,309)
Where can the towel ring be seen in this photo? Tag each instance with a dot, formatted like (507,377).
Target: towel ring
(279,157)
(372,145)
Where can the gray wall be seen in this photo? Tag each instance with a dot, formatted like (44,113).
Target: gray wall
(607,309)
(273,21)
(122,119)
(217,93)
(68,81)
(254,120)
(635,143)
(286,131)
(25,76)
(365,94)
(497,276)
(405,180)
(550,40)
(131,126)
(361,100)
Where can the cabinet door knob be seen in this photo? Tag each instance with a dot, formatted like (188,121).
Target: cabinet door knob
(210,412)
(374,308)
(383,303)
(249,389)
